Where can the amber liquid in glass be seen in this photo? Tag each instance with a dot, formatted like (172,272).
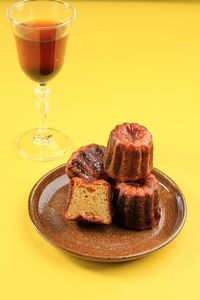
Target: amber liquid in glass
(41,51)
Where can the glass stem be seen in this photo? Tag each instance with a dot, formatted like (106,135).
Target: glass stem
(42,106)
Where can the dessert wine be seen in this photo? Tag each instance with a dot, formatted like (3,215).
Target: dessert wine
(41,49)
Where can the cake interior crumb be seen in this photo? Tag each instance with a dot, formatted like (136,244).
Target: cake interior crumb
(89,203)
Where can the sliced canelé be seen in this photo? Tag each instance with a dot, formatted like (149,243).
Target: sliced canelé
(89,200)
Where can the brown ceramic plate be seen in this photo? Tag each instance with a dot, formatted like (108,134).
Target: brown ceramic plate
(103,243)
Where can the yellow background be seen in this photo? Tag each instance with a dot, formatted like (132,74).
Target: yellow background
(126,61)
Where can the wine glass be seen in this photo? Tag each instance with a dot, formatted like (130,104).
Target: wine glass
(41,29)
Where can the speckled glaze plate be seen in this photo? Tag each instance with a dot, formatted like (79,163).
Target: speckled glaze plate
(102,243)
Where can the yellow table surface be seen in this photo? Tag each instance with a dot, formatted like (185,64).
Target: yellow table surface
(136,61)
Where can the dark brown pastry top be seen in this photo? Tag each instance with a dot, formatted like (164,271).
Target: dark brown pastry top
(87,163)
(132,134)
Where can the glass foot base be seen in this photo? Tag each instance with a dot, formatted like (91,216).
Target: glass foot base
(43,146)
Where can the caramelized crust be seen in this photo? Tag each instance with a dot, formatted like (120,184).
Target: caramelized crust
(87,163)
(129,154)
(137,204)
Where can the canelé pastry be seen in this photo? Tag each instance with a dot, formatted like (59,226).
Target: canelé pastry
(87,163)
(129,154)
(89,200)
(136,204)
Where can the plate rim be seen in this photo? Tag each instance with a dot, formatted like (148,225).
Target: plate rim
(108,259)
